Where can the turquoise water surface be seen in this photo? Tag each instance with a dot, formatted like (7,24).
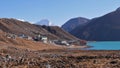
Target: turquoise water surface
(109,45)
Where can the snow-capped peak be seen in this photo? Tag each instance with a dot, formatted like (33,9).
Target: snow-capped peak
(21,20)
(44,22)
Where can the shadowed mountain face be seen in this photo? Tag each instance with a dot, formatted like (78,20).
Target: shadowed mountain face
(104,28)
(58,32)
(73,23)
(21,27)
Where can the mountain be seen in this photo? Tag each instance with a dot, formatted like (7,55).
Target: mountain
(18,27)
(44,22)
(73,23)
(58,32)
(10,28)
(78,30)
(104,28)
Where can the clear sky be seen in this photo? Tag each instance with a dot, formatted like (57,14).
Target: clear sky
(57,11)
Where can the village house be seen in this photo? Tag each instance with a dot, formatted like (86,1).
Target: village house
(65,43)
(12,36)
(42,38)
(59,42)
(77,42)
(24,36)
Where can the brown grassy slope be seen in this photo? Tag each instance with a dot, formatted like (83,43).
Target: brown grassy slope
(23,43)
(19,27)
(32,45)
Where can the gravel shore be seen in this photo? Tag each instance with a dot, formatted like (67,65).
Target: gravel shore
(58,58)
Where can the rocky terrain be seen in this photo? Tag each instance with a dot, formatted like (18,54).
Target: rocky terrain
(17,52)
(61,58)
(23,51)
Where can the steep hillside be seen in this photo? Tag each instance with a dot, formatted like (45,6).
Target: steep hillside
(73,23)
(79,29)
(17,27)
(20,27)
(104,28)
(58,32)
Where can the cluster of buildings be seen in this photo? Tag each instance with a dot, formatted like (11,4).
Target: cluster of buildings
(44,39)
(69,43)
(39,37)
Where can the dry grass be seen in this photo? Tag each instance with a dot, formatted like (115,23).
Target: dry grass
(24,43)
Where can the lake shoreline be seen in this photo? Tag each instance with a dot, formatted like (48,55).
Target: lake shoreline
(63,57)
(104,45)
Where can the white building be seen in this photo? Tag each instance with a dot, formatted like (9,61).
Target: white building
(44,39)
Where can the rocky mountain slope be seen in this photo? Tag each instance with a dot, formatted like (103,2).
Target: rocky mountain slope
(73,23)
(104,28)
(17,27)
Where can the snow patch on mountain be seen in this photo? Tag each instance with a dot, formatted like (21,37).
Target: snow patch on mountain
(44,22)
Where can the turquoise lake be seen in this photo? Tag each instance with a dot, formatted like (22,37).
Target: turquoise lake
(107,45)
